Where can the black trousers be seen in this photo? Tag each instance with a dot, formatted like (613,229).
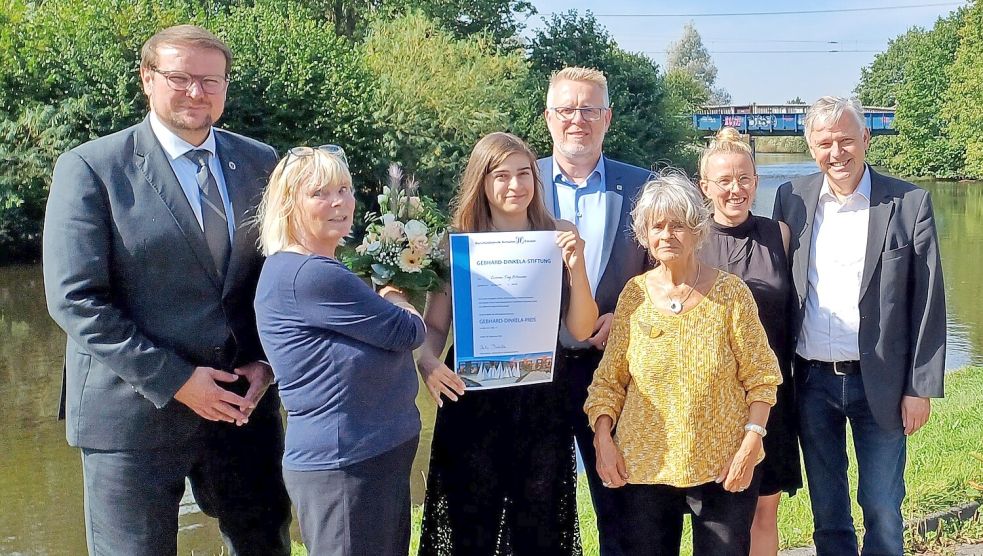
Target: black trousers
(654,518)
(362,509)
(131,497)
(576,371)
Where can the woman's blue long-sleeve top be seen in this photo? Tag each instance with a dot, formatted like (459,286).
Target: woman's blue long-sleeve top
(342,358)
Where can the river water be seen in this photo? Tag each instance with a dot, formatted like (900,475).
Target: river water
(40,476)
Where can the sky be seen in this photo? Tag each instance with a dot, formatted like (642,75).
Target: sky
(755,55)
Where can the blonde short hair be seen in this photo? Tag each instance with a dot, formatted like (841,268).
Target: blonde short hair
(278,211)
(670,195)
(586,75)
(830,109)
(727,141)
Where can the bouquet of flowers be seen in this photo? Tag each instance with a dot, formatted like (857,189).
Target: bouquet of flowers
(402,246)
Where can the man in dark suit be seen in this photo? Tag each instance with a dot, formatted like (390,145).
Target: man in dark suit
(597,194)
(871,331)
(150,267)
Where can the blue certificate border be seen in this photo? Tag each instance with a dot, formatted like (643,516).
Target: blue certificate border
(513,369)
(460,247)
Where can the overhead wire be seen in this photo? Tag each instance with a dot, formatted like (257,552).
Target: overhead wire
(785,12)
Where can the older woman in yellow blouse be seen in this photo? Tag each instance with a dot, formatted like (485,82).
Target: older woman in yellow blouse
(680,401)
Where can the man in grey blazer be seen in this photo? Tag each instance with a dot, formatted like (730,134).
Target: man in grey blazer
(597,194)
(870,326)
(150,267)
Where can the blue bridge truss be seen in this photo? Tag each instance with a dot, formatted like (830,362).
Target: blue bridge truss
(777,120)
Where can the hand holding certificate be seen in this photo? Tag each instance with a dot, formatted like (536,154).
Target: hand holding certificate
(506,303)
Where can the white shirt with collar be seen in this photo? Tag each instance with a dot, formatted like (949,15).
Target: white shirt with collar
(584,204)
(185,169)
(831,324)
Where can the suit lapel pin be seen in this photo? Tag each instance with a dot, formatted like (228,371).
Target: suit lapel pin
(618,187)
(232,165)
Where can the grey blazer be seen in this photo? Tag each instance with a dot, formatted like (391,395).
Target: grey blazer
(624,257)
(902,300)
(128,276)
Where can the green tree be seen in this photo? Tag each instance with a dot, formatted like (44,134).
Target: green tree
(59,50)
(879,82)
(911,75)
(295,82)
(68,74)
(925,143)
(685,91)
(415,91)
(436,96)
(500,19)
(963,104)
(28,147)
(690,56)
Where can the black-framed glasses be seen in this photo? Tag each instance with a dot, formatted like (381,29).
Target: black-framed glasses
(588,113)
(333,150)
(727,183)
(181,81)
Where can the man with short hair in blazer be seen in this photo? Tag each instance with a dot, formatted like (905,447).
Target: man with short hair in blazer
(150,267)
(597,194)
(870,326)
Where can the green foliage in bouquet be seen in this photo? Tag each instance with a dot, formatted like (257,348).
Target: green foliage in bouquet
(403,245)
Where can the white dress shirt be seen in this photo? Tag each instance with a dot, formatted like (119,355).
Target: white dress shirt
(185,170)
(584,205)
(831,324)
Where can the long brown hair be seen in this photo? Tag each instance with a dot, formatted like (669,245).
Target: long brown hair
(471,211)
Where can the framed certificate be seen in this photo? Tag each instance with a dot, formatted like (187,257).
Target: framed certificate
(505,289)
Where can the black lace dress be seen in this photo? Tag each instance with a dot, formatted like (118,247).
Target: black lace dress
(503,474)
(755,253)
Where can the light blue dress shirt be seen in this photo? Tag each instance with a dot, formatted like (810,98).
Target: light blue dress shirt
(185,170)
(584,205)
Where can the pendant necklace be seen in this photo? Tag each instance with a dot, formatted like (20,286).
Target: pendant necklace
(677,306)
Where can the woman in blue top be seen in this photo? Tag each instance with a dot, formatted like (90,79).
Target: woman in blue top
(342,357)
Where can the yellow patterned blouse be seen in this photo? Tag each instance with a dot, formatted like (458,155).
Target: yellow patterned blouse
(678,387)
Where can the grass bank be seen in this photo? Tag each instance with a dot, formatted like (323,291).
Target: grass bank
(940,473)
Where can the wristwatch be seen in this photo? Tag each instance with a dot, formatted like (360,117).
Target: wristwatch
(751,427)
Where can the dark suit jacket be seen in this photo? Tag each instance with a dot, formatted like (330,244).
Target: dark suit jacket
(902,300)
(129,277)
(624,257)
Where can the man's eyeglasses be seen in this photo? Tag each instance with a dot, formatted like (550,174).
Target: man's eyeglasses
(333,150)
(727,183)
(181,81)
(588,113)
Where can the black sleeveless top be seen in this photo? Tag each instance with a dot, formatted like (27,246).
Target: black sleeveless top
(754,252)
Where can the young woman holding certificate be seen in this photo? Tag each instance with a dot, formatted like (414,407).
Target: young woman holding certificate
(502,469)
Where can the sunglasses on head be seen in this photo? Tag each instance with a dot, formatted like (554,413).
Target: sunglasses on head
(333,150)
